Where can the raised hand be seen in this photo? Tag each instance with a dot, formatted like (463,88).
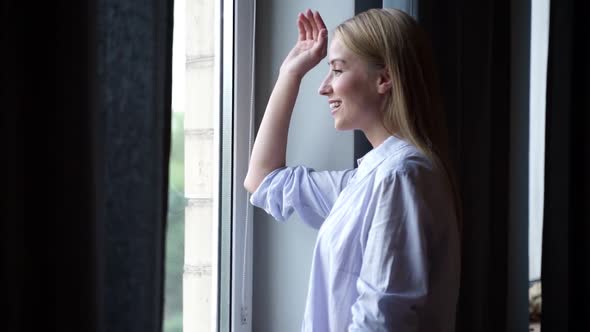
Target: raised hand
(311,46)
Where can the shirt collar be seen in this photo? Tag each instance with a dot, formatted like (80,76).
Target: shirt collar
(373,158)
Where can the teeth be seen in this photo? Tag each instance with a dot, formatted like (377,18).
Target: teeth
(334,104)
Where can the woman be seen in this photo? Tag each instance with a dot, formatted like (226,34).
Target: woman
(387,254)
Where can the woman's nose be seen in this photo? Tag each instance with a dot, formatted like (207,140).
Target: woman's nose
(325,87)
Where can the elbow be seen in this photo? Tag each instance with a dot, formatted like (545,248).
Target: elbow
(250,185)
(254,178)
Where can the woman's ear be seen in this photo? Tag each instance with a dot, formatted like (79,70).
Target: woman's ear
(384,81)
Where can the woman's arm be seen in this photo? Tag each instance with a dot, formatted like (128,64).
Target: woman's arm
(270,146)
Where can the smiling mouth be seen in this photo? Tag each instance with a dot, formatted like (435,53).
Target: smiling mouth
(334,106)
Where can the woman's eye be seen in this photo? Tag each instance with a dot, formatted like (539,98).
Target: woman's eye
(336,72)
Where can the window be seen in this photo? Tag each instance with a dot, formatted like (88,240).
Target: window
(208,259)
(538,84)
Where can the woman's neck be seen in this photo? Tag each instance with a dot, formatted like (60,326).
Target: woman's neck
(376,134)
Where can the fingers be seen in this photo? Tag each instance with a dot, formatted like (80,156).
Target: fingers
(301,28)
(314,29)
(310,24)
(307,24)
(319,22)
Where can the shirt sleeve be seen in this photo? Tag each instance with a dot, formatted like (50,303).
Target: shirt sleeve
(308,192)
(393,280)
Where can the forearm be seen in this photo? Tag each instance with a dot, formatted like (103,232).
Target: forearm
(269,150)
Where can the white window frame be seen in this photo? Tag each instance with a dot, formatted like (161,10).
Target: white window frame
(238,28)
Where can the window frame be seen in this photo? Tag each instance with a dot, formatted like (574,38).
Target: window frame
(236,123)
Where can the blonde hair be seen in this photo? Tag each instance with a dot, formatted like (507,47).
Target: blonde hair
(391,39)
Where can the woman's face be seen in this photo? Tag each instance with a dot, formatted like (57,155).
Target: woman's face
(351,88)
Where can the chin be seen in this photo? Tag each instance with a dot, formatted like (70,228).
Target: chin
(341,126)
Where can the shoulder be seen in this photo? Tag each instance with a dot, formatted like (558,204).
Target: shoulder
(407,163)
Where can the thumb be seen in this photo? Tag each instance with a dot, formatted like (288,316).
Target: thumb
(322,38)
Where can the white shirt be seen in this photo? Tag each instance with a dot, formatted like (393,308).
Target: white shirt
(387,252)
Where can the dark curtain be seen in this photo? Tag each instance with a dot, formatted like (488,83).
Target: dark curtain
(134,108)
(85,114)
(12,199)
(565,270)
(487,118)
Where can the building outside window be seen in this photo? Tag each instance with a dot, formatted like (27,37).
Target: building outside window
(208,249)
(191,257)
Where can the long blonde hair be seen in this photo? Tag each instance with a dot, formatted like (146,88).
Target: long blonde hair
(392,39)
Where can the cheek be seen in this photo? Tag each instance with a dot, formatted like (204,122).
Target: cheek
(358,96)
(348,89)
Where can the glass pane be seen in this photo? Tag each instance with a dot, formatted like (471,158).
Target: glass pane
(175,231)
(191,255)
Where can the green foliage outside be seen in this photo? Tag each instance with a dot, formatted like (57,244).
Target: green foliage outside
(175,232)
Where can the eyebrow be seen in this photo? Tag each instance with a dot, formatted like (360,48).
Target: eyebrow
(331,62)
